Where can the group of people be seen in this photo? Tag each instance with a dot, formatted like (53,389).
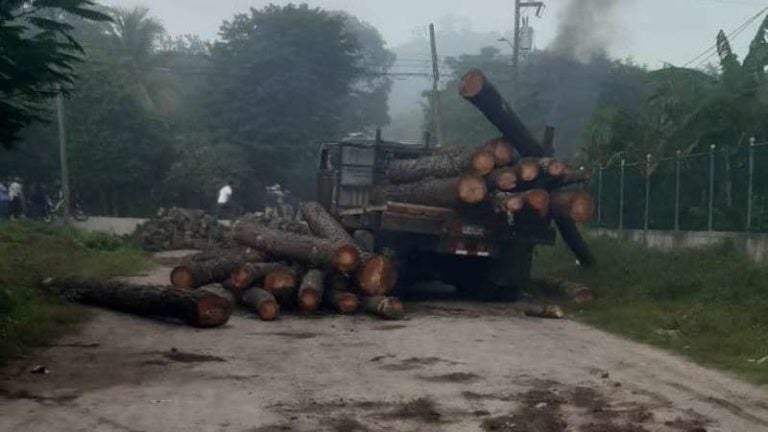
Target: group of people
(12,202)
(279,202)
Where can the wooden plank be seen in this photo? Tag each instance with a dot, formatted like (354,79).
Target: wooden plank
(419,210)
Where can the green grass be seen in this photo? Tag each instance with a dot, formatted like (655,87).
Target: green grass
(710,305)
(30,253)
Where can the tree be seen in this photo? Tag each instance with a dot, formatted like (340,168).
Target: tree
(37,54)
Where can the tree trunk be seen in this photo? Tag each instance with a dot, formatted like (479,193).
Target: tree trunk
(323,224)
(441,165)
(528,170)
(476,88)
(575,241)
(576,205)
(311,291)
(503,179)
(307,250)
(263,303)
(435,192)
(389,308)
(195,307)
(503,151)
(200,273)
(377,277)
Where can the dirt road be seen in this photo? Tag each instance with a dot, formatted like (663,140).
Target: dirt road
(451,367)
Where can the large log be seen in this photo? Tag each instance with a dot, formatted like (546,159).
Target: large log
(570,233)
(195,307)
(201,273)
(503,151)
(467,189)
(345,303)
(323,224)
(249,274)
(553,167)
(528,170)
(221,291)
(576,205)
(449,163)
(311,251)
(389,308)
(476,88)
(263,303)
(575,292)
(506,202)
(544,311)
(503,179)
(282,284)
(311,291)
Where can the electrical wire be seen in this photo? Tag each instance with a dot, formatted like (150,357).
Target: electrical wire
(709,52)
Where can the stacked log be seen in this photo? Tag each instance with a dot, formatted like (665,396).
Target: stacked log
(175,228)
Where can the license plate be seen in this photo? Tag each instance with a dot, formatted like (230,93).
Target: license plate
(473,230)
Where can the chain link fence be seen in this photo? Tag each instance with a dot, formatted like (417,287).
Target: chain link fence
(723,189)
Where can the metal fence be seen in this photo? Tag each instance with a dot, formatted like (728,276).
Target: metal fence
(723,189)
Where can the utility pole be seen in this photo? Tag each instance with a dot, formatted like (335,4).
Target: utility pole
(63,153)
(519,5)
(437,108)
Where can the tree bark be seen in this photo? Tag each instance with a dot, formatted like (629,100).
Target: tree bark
(538,200)
(307,250)
(575,241)
(576,205)
(528,170)
(195,274)
(476,88)
(195,307)
(451,192)
(311,291)
(249,274)
(389,308)
(445,164)
(553,167)
(323,224)
(221,291)
(263,303)
(506,202)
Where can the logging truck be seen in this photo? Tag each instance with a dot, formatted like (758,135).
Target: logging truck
(483,253)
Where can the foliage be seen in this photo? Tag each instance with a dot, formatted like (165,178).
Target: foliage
(37,53)
(30,253)
(707,304)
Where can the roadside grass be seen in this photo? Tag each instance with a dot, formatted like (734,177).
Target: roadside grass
(710,305)
(31,252)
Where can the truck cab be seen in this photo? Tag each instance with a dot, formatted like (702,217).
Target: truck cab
(483,254)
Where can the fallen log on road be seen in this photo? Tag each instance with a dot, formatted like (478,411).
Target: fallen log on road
(389,308)
(197,308)
(311,291)
(263,303)
(200,273)
(548,311)
(307,250)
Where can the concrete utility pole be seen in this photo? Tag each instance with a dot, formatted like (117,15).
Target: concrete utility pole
(63,154)
(437,106)
(519,5)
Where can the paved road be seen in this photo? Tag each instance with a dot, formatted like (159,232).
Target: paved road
(451,367)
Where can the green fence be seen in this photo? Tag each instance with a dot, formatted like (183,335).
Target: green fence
(723,189)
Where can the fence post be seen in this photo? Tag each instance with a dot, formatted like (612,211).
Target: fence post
(599,195)
(711,220)
(621,194)
(751,184)
(647,191)
(677,190)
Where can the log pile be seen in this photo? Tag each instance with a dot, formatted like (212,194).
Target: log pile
(174,229)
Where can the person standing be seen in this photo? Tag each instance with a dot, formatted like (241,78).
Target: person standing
(223,204)
(16,193)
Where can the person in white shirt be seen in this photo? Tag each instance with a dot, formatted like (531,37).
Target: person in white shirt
(225,197)
(16,194)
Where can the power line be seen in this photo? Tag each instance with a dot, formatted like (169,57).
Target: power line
(709,52)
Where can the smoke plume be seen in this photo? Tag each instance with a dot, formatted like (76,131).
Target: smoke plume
(586,28)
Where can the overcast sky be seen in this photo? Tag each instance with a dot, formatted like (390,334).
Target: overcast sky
(650,31)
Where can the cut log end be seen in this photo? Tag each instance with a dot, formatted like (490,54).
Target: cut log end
(483,162)
(538,199)
(242,278)
(472,189)
(557,169)
(347,258)
(506,181)
(472,84)
(309,300)
(182,277)
(346,303)
(212,311)
(377,277)
(582,207)
(503,151)
(278,281)
(515,204)
(546,312)
(268,310)
(529,171)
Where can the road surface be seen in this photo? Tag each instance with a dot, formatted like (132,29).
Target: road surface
(453,366)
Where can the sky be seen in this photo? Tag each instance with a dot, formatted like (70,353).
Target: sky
(651,32)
